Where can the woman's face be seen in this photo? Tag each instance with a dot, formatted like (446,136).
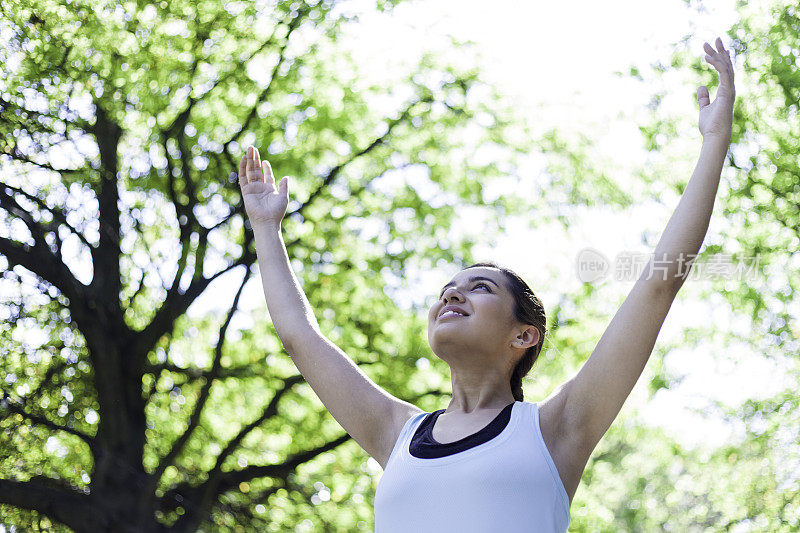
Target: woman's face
(484,312)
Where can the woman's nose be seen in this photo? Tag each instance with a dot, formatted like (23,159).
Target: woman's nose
(450,294)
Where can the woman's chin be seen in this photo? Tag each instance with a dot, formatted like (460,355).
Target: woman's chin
(447,340)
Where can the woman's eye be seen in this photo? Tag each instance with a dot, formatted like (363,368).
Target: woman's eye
(485,286)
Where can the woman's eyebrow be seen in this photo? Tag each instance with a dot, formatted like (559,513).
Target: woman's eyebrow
(473,278)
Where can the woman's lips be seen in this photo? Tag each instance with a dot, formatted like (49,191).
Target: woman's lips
(451,314)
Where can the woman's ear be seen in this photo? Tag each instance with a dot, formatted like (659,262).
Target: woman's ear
(527,337)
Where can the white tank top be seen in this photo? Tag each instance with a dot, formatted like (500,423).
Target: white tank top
(500,479)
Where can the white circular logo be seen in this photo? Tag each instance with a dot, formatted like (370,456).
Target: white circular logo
(591,265)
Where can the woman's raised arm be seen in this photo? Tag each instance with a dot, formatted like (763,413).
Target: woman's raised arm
(368,413)
(590,401)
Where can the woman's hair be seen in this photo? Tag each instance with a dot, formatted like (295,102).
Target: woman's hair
(528,309)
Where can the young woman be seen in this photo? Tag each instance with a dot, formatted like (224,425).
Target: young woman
(490,461)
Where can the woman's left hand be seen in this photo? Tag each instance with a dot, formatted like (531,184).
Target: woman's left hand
(716,118)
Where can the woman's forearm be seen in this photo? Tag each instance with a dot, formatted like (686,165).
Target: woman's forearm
(288,306)
(688,224)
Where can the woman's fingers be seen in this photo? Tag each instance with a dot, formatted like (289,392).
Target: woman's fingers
(257,162)
(720,59)
(702,96)
(249,165)
(253,167)
(712,56)
(268,172)
(719,54)
(268,176)
(243,171)
(252,170)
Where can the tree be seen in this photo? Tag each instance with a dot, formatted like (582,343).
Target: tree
(121,127)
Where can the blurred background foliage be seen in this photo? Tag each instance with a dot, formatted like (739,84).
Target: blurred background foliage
(122,126)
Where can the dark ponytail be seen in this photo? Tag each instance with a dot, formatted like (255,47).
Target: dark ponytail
(528,309)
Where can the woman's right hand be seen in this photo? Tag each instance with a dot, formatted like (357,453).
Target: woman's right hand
(263,203)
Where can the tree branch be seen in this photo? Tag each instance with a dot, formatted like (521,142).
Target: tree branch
(16,155)
(178,131)
(205,391)
(105,257)
(232,479)
(338,168)
(138,290)
(17,407)
(60,503)
(180,207)
(268,412)
(57,213)
(51,372)
(176,303)
(41,261)
(193,373)
(292,26)
(7,107)
(228,480)
(197,498)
